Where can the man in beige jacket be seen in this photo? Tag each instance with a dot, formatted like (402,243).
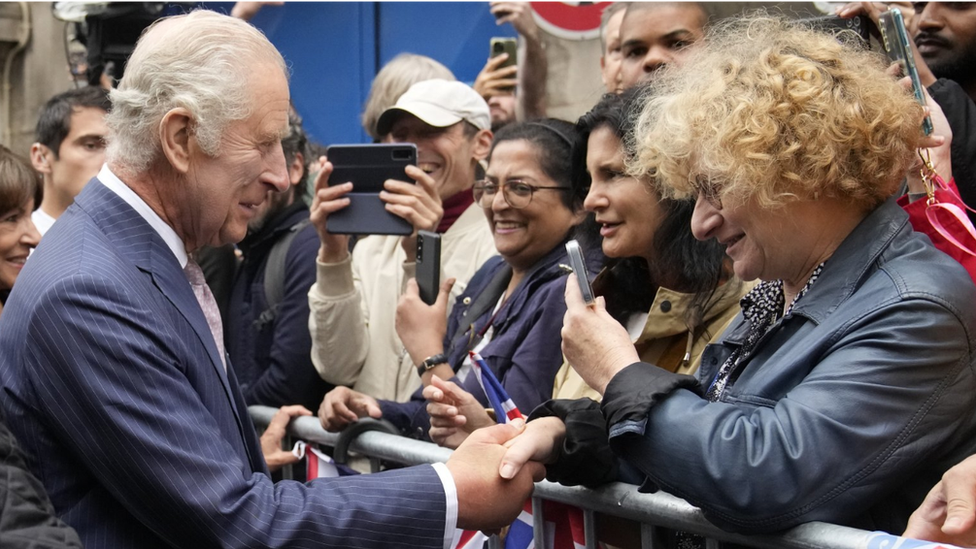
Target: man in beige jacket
(353,302)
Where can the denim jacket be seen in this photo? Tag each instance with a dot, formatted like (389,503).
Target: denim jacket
(849,409)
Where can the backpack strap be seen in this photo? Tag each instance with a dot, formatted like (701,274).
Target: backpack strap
(274,274)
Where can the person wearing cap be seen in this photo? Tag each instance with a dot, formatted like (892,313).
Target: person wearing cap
(353,301)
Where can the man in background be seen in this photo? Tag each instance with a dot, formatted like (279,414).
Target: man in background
(654,34)
(69,148)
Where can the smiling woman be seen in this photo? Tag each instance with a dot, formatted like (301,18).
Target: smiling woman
(845,388)
(511,311)
(20,191)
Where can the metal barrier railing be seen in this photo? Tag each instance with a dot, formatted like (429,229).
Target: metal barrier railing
(652,511)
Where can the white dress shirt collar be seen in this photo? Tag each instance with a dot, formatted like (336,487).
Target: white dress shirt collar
(166,232)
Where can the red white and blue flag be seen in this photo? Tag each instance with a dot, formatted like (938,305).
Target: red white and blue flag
(563,523)
(505,409)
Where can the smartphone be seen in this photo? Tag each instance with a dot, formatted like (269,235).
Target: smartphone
(428,265)
(500,45)
(835,24)
(895,39)
(578,264)
(367,167)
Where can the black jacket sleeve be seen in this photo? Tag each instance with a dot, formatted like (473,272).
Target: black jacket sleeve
(26,515)
(961,113)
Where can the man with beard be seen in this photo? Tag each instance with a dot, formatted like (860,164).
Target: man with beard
(946,41)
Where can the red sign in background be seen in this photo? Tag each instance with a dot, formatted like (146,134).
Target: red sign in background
(570,20)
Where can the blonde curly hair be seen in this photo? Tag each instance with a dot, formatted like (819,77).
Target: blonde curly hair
(770,110)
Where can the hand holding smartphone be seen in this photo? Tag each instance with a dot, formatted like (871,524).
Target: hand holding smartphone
(500,45)
(899,50)
(578,264)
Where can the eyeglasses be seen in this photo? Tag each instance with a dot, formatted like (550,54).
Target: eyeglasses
(709,189)
(517,193)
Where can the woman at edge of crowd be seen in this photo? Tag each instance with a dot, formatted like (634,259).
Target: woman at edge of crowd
(28,518)
(532,206)
(20,192)
(845,388)
(672,292)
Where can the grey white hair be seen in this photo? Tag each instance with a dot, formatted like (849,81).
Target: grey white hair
(201,62)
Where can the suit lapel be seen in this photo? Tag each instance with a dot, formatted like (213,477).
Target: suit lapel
(139,242)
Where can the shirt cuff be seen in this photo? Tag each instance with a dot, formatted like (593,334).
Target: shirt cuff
(450,504)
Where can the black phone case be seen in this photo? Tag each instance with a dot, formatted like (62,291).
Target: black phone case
(428,265)
(367,167)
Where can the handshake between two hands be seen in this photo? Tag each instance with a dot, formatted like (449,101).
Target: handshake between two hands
(496,467)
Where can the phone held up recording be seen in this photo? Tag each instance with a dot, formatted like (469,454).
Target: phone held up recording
(428,265)
(578,264)
(899,50)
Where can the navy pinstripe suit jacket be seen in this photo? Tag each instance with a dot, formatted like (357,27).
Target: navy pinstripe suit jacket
(112,382)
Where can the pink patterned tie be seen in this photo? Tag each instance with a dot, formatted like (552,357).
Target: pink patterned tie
(209,305)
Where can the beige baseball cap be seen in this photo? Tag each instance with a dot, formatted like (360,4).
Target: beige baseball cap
(439,103)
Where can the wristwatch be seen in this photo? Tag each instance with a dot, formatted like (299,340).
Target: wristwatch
(430,362)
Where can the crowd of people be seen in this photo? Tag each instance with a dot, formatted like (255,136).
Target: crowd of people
(783,264)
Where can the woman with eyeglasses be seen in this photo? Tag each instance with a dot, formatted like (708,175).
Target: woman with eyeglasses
(672,292)
(511,312)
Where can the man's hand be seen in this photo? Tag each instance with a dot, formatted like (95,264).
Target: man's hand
(939,144)
(274,455)
(519,14)
(419,204)
(595,344)
(492,81)
(454,413)
(247,10)
(873,11)
(328,200)
(421,327)
(342,406)
(486,501)
(948,514)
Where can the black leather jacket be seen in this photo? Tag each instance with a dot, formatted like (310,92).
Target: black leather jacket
(848,411)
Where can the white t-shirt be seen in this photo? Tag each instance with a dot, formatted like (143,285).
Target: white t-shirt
(42,221)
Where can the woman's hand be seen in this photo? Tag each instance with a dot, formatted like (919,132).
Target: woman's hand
(342,406)
(595,344)
(454,413)
(421,327)
(540,442)
(274,455)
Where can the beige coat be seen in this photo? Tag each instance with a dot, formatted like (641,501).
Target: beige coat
(665,339)
(353,307)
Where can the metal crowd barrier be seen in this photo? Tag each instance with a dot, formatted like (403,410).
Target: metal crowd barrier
(652,511)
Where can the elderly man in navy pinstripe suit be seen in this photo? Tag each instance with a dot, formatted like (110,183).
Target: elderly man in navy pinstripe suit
(111,374)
